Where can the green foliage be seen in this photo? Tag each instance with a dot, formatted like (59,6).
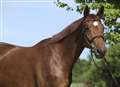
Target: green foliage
(113,56)
(114,37)
(61,4)
(87,73)
(80,67)
(64,5)
(116,3)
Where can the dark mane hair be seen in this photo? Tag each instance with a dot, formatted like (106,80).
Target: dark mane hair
(67,31)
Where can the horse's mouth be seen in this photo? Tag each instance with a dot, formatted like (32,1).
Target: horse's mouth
(99,54)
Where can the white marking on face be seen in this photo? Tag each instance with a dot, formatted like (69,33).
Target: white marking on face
(95,23)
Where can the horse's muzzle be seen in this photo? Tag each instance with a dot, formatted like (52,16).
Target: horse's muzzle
(100,53)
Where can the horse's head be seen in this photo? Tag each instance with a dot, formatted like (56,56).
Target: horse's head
(93,31)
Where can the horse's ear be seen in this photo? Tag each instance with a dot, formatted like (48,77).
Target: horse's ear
(100,13)
(86,11)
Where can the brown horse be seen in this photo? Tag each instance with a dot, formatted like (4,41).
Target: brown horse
(49,63)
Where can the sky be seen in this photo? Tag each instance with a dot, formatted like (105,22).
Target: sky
(26,22)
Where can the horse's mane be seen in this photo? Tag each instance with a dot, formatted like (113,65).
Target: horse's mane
(67,31)
(6,44)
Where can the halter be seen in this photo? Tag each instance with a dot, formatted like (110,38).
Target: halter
(89,41)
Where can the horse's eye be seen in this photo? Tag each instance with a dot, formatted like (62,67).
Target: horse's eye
(87,28)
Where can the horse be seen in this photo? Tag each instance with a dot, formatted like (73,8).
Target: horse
(49,63)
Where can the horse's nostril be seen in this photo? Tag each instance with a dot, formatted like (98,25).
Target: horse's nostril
(101,51)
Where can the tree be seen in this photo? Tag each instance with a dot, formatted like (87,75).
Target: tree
(113,56)
(86,73)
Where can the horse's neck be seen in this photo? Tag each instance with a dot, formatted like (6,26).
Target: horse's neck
(65,47)
(70,48)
